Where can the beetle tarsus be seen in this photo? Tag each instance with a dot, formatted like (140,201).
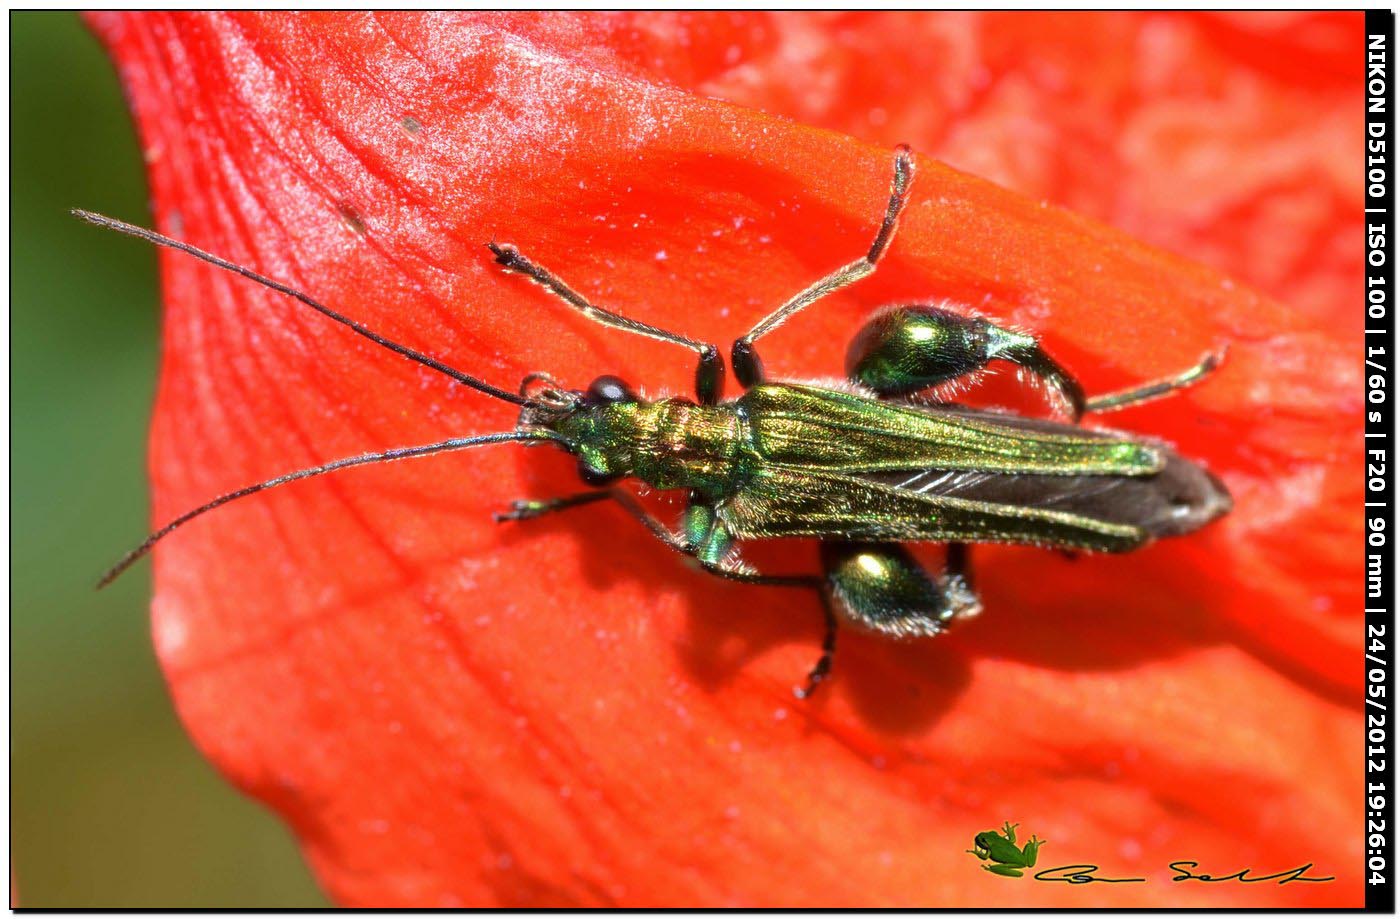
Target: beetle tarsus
(1156,389)
(899,194)
(822,669)
(530,508)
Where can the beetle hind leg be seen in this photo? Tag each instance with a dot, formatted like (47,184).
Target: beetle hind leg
(905,349)
(881,587)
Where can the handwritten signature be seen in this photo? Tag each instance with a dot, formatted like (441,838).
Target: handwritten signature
(1081,874)
(1085,874)
(1283,877)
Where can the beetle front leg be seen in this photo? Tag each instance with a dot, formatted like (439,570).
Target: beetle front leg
(701,538)
(881,587)
(529,509)
(709,368)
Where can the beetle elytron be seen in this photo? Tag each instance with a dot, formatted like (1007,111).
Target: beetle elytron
(861,466)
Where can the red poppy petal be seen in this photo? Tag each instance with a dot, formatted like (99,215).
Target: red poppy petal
(452,712)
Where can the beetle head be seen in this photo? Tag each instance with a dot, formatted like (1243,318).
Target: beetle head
(594,424)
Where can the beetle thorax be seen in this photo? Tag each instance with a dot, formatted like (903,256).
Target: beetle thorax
(673,443)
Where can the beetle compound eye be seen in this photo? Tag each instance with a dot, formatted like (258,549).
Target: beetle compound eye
(609,389)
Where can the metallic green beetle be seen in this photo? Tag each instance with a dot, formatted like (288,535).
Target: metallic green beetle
(858,465)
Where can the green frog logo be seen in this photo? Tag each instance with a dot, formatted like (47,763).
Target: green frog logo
(1000,849)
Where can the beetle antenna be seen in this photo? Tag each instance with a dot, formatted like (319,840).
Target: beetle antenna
(161,240)
(456,443)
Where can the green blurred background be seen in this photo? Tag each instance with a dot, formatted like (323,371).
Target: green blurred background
(110,803)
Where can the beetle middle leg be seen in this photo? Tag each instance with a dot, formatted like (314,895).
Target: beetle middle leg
(748,369)
(705,540)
